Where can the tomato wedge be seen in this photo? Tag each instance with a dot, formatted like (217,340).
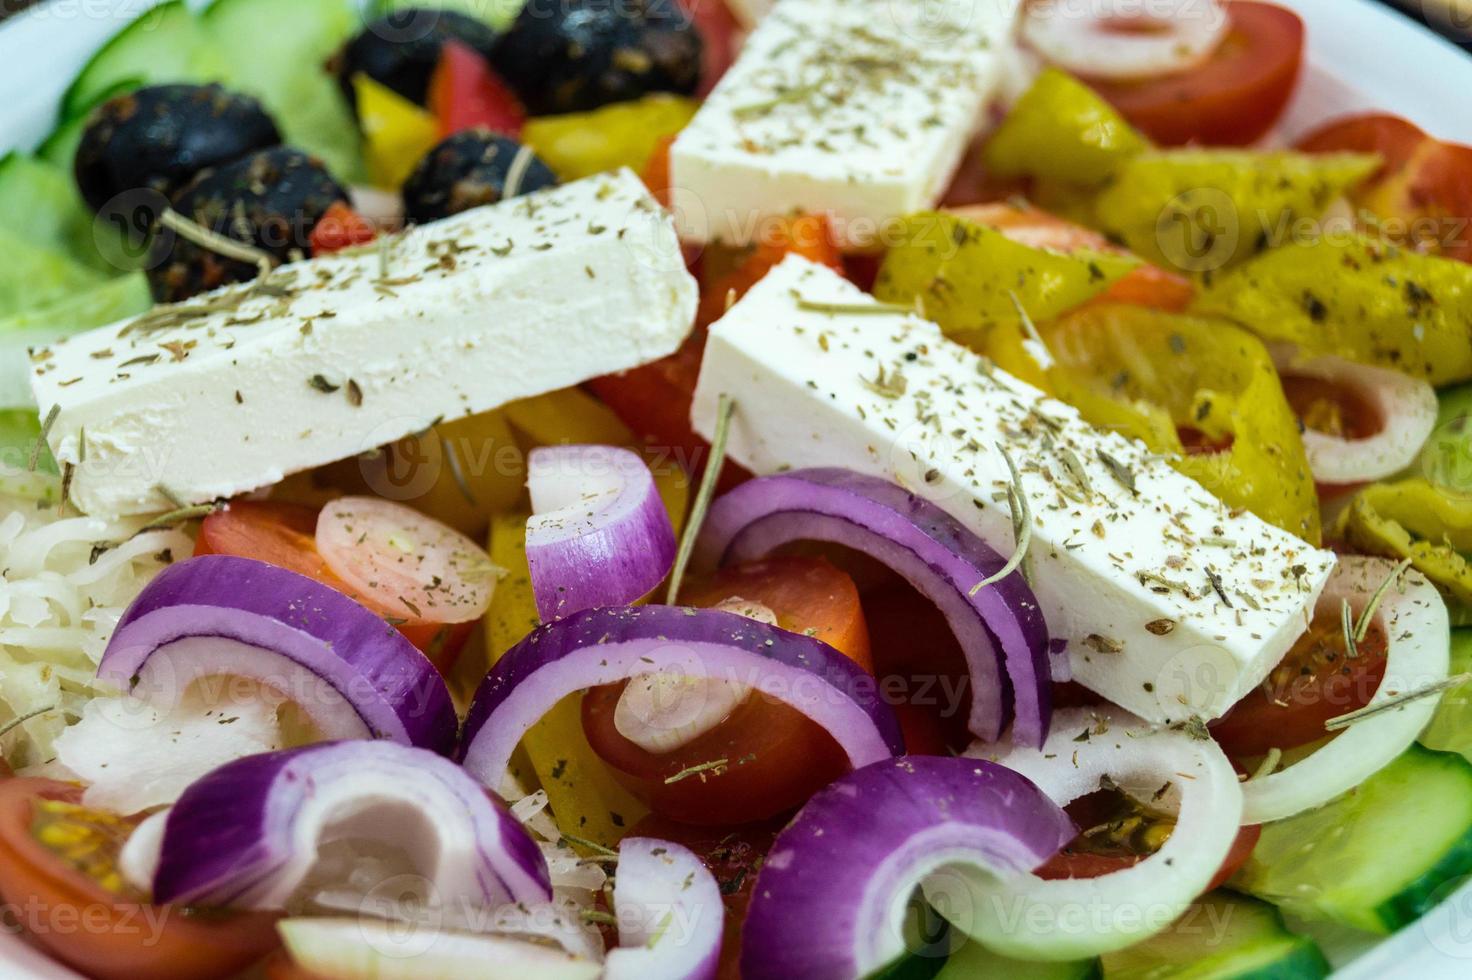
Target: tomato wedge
(285,535)
(1232,99)
(59,878)
(775,756)
(1315,681)
(720,39)
(1145,285)
(339,228)
(465,93)
(1422,193)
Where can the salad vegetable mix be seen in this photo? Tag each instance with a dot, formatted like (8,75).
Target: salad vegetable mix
(699,489)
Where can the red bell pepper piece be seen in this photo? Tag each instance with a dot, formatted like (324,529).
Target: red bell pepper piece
(339,228)
(464,93)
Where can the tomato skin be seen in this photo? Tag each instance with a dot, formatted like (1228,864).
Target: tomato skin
(1241,850)
(720,38)
(1232,99)
(778,756)
(1314,682)
(109,936)
(284,535)
(339,228)
(1424,184)
(922,669)
(465,93)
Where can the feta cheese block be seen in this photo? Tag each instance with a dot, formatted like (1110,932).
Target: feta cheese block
(860,109)
(1172,605)
(338,355)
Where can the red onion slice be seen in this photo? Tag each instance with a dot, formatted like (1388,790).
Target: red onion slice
(247,834)
(604,646)
(1126,39)
(829,902)
(669,914)
(933,551)
(599,534)
(218,617)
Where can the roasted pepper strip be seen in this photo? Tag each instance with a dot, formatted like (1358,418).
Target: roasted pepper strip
(1157,376)
(1415,519)
(1062,130)
(624,134)
(1199,211)
(1359,299)
(963,275)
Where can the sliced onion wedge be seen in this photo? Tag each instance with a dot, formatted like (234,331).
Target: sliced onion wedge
(669,914)
(607,645)
(221,627)
(1404,406)
(248,834)
(1125,39)
(1077,918)
(830,900)
(372,949)
(425,571)
(599,535)
(1000,627)
(1418,653)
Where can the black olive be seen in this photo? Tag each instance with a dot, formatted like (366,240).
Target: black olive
(159,137)
(467,170)
(400,50)
(271,199)
(575,55)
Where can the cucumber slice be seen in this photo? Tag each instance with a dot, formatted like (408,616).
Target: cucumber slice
(40,203)
(1223,937)
(32,277)
(1377,857)
(1451,727)
(974,960)
(277,50)
(498,13)
(112,301)
(165,44)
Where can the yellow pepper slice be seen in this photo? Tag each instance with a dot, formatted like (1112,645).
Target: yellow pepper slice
(963,275)
(1197,210)
(1356,298)
(459,472)
(1415,519)
(624,134)
(396,132)
(1062,130)
(1149,374)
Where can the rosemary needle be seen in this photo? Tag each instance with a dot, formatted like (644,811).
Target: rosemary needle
(1399,701)
(703,496)
(1021,527)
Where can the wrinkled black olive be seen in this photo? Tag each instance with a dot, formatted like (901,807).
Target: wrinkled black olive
(161,136)
(400,50)
(271,199)
(467,170)
(575,55)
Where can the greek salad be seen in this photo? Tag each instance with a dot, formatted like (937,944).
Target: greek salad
(691,489)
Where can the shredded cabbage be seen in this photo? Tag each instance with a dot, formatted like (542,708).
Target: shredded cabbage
(65,580)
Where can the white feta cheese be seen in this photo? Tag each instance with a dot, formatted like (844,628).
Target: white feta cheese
(232,390)
(1172,604)
(860,109)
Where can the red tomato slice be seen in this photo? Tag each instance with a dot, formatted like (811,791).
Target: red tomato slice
(921,666)
(1315,681)
(1232,99)
(656,174)
(339,228)
(58,876)
(1423,192)
(285,535)
(778,757)
(1145,285)
(465,93)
